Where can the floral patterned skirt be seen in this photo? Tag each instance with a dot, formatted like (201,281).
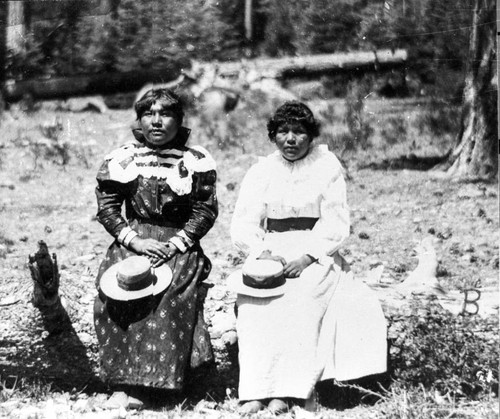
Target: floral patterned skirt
(152,341)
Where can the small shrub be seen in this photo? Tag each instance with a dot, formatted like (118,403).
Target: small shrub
(439,119)
(335,85)
(394,130)
(27,62)
(327,114)
(417,403)
(453,354)
(53,146)
(339,142)
(216,129)
(359,129)
(15,388)
(6,245)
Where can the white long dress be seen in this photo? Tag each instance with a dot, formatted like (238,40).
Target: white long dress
(327,324)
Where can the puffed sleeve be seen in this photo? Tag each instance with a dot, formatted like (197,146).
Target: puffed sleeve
(114,182)
(203,197)
(333,226)
(247,232)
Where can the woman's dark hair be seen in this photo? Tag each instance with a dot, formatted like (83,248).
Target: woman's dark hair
(293,112)
(166,97)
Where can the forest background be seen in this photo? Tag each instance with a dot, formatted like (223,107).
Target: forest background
(105,36)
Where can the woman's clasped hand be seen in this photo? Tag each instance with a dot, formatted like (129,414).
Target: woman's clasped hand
(157,252)
(291,269)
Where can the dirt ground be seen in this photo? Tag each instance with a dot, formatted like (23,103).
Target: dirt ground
(40,200)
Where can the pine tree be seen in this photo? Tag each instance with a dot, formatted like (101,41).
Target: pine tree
(329,26)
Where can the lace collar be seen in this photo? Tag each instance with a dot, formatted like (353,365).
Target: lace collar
(315,150)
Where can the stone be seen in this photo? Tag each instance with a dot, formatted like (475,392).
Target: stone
(300,413)
(90,103)
(29,412)
(470,193)
(81,406)
(134,403)
(8,407)
(364,236)
(230,338)
(85,338)
(99,398)
(222,322)
(118,399)
(84,258)
(9,300)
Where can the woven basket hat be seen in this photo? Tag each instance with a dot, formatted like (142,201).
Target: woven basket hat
(134,278)
(260,278)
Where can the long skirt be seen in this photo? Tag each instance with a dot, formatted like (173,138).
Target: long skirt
(327,325)
(152,341)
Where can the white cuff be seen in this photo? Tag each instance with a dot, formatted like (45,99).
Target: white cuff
(181,241)
(126,236)
(177,242)
(182,234)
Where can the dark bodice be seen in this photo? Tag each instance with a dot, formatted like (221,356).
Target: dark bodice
(172,187)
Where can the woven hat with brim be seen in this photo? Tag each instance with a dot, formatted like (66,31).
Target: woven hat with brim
(242,281)
(134,278)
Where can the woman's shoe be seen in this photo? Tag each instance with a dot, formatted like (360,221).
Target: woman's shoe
(250,407)
(277,406)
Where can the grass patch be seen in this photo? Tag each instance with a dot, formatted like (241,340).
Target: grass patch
(439,351)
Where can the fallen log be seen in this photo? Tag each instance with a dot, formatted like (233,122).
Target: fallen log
(84,85)
(247,71)
(288,67)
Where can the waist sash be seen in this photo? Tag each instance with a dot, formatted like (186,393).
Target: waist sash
(280,225)
(161,222)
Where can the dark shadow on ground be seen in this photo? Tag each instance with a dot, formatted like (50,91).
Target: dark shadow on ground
(349,394)
(408,162)
(208,382)
(212,381)
(60,360)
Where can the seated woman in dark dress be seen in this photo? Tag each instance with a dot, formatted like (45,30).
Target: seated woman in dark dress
(168,190)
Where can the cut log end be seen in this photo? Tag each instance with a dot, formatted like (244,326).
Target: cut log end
(45,274)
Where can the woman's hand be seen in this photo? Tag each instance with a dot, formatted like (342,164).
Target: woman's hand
(294,268)
(156,251)
(267,255)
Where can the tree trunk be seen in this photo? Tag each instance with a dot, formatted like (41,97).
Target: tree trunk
(475,155)
(248,21)
(4,15)
(16,30)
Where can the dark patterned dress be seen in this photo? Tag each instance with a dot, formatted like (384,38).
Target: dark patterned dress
(168,194)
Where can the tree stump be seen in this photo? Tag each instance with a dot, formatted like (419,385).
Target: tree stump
(45,275)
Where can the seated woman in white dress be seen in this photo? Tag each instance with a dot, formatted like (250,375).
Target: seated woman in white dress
(327,325)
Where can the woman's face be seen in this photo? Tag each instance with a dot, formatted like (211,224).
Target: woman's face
(292,141)
(159,125)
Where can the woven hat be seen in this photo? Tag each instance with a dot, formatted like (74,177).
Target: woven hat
(260,278)
(134,278)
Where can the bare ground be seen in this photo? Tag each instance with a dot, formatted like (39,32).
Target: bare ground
(41,200)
